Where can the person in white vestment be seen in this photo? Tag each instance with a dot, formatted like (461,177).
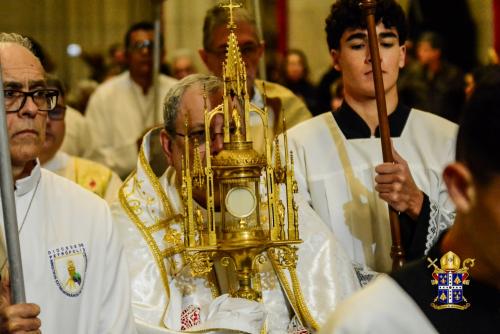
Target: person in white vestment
(165,296)
(89,174)
(473,182)
(121,109)
(77,140)
(281,101)
(77,137)
(75,275)
(338,157)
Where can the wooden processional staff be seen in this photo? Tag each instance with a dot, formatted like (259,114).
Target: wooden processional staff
(368,7)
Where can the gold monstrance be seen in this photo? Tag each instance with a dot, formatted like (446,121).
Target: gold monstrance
(253,218)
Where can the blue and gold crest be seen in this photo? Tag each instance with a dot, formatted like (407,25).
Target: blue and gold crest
(450,279)
(69,265)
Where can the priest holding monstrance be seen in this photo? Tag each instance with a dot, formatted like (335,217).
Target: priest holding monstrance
(220,241)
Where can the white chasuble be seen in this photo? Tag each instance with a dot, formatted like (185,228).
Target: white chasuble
(166,298)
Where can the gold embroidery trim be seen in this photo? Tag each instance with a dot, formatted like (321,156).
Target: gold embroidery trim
(295,295)
(172,251)
(164,224)
(156,184)
(299,297)
(167,207)
(284,283)
(147,236)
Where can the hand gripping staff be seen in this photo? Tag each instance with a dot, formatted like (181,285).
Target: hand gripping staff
(368,7)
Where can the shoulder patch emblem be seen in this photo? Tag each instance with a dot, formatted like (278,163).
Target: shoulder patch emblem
(69,266)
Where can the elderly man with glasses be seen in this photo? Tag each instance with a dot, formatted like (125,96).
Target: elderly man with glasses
(122,108)
(76,280)
(280,99)
(166,297)
(89,174)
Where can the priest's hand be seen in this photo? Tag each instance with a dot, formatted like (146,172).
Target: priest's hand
(19,318)
(396,186)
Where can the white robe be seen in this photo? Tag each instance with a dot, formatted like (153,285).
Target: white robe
(382,307)
(162,286)
(118,114)
(77,138)
(336,176)
(58,222)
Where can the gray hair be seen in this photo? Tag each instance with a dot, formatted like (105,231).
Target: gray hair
(172,101)
(217,16)
(16,39)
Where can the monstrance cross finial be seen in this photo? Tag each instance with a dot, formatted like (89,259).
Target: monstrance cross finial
(231,6)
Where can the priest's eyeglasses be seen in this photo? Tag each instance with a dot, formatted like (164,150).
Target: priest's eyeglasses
(45,99)
(199,136)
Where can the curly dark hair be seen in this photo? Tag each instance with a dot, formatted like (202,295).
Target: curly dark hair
(347,14)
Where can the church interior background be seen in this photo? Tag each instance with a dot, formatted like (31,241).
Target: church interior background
(95,25)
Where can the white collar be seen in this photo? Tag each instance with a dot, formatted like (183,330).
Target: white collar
(28,183)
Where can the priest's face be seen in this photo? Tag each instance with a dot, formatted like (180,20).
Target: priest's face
(353,59)
(250,47)
(22,71)
(192,107)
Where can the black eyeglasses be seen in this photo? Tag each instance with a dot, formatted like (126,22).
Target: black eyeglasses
(45,99)
(138,46)
(57,114)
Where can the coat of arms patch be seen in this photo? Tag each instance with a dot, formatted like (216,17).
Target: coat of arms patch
(450,279)
(69,265)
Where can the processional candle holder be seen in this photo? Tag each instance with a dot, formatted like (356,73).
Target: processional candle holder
(246,186)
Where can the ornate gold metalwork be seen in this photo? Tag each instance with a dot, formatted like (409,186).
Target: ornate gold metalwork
(198,171)
(285,256)
(253,216)
(201,262)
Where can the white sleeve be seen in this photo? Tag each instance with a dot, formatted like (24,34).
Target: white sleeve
(322,262)
(116,313)
(442,209)
(77,139)
(120,157)
(149,298)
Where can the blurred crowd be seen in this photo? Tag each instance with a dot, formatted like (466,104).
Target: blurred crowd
(428,81)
